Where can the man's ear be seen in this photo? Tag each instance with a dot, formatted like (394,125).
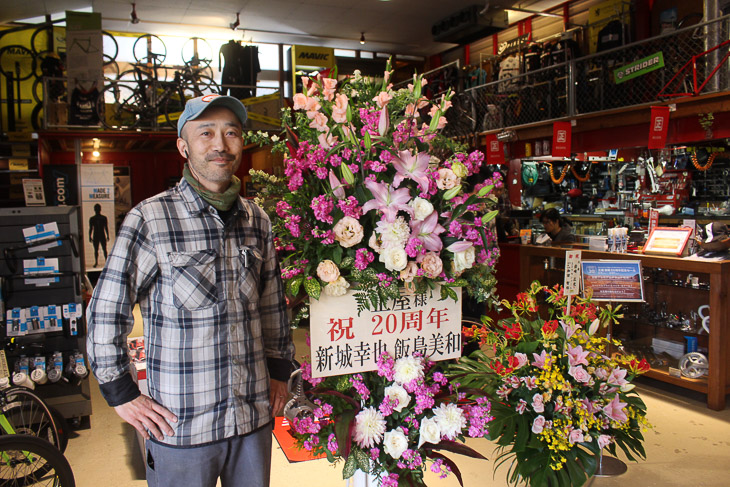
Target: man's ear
(182,148)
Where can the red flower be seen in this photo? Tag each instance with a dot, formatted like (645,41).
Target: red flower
(549,328)
(498,367)
(513,331)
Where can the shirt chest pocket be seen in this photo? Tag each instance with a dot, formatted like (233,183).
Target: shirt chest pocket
(193,279)
(250,260)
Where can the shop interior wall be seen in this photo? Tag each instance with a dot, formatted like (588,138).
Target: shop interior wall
(151,172)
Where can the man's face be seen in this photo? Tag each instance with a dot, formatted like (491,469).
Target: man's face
(214,145)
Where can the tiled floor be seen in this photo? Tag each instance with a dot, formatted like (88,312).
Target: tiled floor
(688,446)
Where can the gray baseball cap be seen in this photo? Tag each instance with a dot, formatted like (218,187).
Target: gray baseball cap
(195,106)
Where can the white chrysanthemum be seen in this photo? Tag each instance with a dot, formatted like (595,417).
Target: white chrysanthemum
(429,432)
(337,287)
(395,443)
(394,234)
(399,394)
(450,419)
(394,258)
(369,427)
(407,369)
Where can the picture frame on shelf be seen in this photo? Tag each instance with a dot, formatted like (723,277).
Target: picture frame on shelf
(668,241)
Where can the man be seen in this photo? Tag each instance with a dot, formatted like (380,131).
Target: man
(98,233)
(200,262)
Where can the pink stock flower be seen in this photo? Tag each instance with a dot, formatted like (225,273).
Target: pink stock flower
(387,201)
(411,167)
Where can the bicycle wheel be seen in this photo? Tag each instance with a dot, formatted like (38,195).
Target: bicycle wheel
(202,85)
(111,48)
(173,106)
(37,119)
(149,49)
(27,414)
(18,61)
(120,107)
(197,52)
(48,39)
(29,461)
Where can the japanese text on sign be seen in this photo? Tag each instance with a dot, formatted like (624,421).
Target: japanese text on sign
(343,342)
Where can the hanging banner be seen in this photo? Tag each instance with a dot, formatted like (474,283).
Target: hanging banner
(97,207)
(60,182)
(561,139)
(346,342)
(658,127)
(495,150)
(84,66)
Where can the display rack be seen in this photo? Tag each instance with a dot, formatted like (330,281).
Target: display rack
(667,295)
(53,285)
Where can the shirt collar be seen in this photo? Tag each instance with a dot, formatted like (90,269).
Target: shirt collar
(195,203)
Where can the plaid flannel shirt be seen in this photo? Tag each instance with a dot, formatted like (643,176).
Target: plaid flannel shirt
(214,314)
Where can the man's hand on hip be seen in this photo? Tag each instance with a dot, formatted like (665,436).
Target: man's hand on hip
(145,414)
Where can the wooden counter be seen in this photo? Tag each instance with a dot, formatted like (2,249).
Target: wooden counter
(544,264)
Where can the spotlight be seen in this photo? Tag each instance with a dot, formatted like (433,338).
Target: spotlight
(134,18)
(234,25)
(362,37)
(95,153)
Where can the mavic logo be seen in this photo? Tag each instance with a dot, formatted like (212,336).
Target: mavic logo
(314,56)
(562,136)
(494,146)
(658,124)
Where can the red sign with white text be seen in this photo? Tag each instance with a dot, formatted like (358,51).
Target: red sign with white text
(495,150)
(658,127)
(561,139)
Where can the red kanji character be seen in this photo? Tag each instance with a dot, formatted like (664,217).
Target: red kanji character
(437,316)
(341,327)
(412,320)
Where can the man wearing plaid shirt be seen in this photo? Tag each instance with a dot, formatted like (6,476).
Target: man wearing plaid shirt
(200,262)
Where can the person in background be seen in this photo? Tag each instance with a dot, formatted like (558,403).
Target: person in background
(200,261)
(557,227)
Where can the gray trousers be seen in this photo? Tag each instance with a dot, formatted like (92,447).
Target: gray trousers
(241,461)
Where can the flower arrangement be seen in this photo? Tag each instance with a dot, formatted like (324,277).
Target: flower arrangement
(562,396)
(392,422)
(375,198)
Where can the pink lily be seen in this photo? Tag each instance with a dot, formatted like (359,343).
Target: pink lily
(383,121)
(615,409)
(337,186)
(428,231)
(387,200)
(411,167)
(577,356)
(459,246)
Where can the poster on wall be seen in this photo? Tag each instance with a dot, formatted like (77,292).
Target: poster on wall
(97,213)
(84,66)
(122,194)
(60,182)
(613,280)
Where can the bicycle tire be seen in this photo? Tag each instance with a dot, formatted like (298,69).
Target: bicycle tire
(174,105)
(120,107)
(111,69)
(152,43)
(112,42)
(202,85)
(15,57)
(29,461)
(199,57)
(28,414)
(58,46)
(37,120)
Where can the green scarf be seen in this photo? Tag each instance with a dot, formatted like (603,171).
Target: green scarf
(220,201)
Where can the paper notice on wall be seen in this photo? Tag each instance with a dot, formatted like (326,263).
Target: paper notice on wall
(97,207)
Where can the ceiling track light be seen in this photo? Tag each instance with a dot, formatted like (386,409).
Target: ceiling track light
(234,25)
(362,37)
(133,15)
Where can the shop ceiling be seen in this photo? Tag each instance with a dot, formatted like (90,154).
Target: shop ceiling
(392,26)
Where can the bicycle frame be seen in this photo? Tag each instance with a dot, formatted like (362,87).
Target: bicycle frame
(696,90)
